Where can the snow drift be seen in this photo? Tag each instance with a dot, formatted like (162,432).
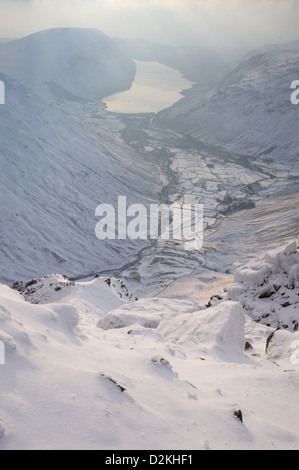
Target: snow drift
(217,331)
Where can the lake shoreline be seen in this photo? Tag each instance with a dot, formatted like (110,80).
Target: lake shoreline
(156,87)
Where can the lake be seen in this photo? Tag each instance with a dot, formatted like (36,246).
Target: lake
(155,88)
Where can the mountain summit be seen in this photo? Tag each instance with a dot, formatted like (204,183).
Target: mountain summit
(84,63)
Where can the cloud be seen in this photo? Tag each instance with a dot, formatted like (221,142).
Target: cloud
(245,23)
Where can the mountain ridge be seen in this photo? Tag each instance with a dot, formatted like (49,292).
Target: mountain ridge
(84,62)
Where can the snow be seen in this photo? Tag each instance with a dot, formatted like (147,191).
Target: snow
(268,288)
(88,368)
(155,87)
(63,173)
(164,347)
(217,331)
(249,111)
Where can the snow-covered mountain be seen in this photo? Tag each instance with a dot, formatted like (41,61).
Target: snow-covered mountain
(250,110)
(202,65)
(55,170)
(4,40)
(72,62)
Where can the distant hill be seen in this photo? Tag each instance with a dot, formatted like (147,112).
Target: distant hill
(80,62)
(249,110)
(5,40)
(203,65)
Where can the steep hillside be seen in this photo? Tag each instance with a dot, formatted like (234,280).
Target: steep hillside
(89,368)
(249,111)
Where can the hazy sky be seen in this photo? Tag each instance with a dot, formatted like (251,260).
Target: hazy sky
(233,23)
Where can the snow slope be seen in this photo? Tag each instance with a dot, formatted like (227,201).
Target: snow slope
(54,173)
(250,110)
(73,62)
(75,378)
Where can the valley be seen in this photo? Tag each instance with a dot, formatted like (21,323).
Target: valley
(149,157)
(147,344)
(232,187)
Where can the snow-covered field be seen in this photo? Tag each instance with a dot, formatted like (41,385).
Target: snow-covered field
(89,366)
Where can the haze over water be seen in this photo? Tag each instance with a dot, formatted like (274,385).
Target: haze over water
(155,88)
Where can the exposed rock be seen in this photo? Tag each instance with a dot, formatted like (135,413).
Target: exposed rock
(238,414)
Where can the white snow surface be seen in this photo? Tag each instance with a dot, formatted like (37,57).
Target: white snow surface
(89,367)
(54,173)
(55,168)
